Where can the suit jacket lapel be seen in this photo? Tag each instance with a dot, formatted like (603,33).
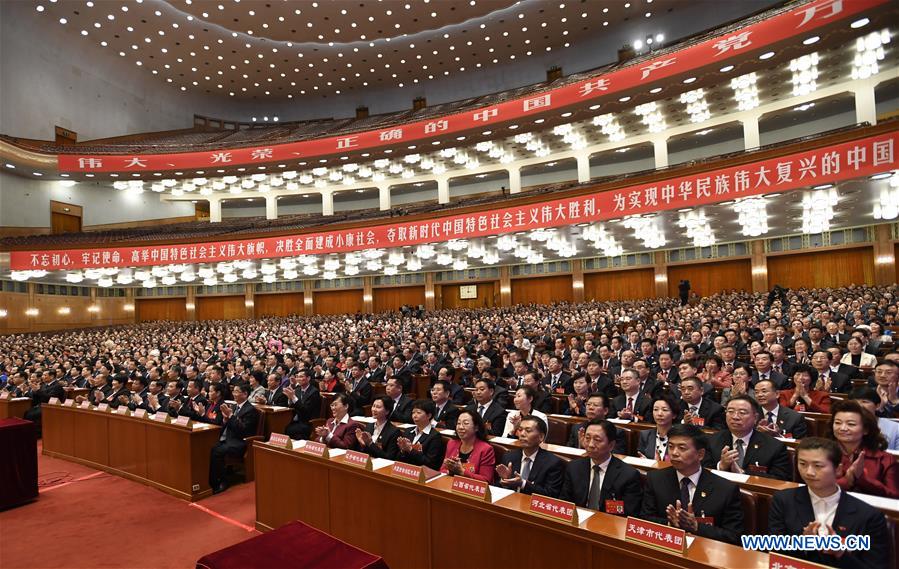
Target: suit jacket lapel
(845,512)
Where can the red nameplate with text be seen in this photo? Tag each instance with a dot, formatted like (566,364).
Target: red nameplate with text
(4,394)
(279,440)
(85,404)
(103,407)
(316,449)
(655,535)
(182,421)
(778,561)
(140,413)
(408,471)
(54,401)
(559,510)
(471,487)
(161,417)
(68,403)
(359,459)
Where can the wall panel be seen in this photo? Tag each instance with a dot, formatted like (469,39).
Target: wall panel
(839,267)
(278,304)
(712,277)
(542,290)
(338,301)
(221,308)
(619,285)
(385,299)
(896,257)
(147,309)
(447,296)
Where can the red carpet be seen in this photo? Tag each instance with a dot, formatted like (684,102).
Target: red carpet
(85,518)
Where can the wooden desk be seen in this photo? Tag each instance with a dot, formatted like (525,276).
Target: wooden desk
(14,408)
(446,530)
(421,386)
(73,392)
(167,457)
(275,419)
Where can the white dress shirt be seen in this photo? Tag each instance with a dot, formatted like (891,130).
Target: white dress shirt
(825,508)
(694,480)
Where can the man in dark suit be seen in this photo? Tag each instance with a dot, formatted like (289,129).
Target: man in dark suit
(829,380)
(446,412)
(195,402)
(358,388)
(492,412)
(777,420)
(402,405)
(174,399)
(307,405)
(530,469)
(601,481)
(422,444)
(374,373)
(50,388)
(597,407)
(821,508)
(274,394)
(836,366)
(763,370)
(688,497)
(557,381)
(697,410)
(741,448)
(630,405)
(403,372)
(119,389)
(240,422)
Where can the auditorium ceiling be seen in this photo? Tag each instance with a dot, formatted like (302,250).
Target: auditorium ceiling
(278,50)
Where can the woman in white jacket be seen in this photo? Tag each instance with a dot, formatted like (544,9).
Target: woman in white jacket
(856,356)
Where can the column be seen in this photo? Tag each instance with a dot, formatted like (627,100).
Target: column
(249,300)
(583,167)
(430,303)
(443,190)
(661,274)
(759,265)
(190,303)
(515,180)
(129,306)
(884,256)
(271,207)
(327,203)
(505,286)
(215,210)
(308,298)
(93,309)
(751,137)
(368,301)
(384,197)
(865,107)
(660,151)
(577,280)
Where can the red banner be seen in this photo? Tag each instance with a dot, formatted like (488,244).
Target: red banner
(755,37)
(855,159)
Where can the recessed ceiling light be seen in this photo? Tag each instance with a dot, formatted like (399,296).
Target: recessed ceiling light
(624,99)
(881,176)
(655,90)
(593,107)
(811,40)
(859,23)
(566,115)
(689,80)
(726,68)
(766,55)
(10,166)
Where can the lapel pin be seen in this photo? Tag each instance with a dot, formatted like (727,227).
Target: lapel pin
(755,446)
(702,494)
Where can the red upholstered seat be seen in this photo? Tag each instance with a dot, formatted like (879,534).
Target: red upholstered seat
(295,546)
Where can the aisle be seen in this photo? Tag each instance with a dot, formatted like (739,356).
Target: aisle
(88,518)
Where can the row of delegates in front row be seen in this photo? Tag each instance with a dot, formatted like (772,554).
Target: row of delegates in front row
(745,446)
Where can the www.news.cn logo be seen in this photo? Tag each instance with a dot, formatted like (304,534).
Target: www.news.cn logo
(806,542)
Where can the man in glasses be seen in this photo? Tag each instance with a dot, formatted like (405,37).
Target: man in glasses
(742,448)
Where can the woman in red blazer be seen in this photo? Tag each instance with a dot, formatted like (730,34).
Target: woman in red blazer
(804,397)
(471,455)
(340,430)
(865,466)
